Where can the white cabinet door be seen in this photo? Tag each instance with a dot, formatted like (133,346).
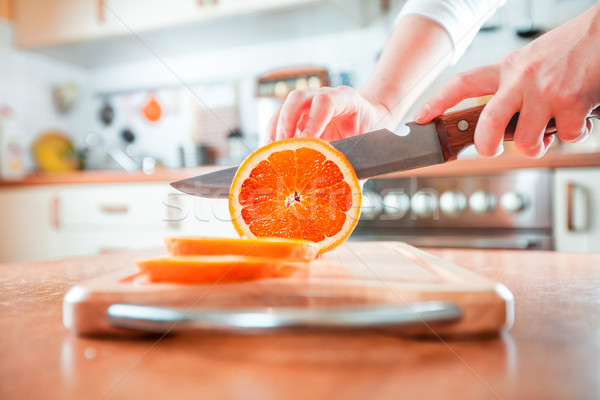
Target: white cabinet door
(577,209)
(69,220)
(114,207)
(28,229)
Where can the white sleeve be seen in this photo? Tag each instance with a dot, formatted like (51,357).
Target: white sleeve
(461,18)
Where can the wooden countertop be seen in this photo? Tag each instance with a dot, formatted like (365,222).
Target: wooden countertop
(471,166)
(552,351)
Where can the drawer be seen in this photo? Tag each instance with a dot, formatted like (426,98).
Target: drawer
(123,206)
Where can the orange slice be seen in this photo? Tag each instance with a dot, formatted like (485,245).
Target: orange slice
(300,188)
(213,269)
(263,247)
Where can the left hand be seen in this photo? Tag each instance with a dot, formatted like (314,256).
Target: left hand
(329,113)
(556,76)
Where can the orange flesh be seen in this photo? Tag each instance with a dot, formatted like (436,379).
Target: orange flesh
(295,194)
(269,248)
(215,269)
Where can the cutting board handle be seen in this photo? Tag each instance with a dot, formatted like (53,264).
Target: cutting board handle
(456,130)
(163,320)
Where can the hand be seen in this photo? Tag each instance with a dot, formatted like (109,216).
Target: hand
(328,113)
(556,76)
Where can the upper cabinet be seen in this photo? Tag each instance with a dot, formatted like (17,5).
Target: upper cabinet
(62,22)
(6,9)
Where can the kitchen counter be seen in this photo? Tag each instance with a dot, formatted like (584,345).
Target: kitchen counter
(552,352)
(108,176)
(470,166)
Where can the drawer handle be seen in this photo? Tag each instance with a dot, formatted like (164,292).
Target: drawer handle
(114,208)
(55,213)
(577,208)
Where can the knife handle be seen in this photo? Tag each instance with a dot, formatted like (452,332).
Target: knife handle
(456,130)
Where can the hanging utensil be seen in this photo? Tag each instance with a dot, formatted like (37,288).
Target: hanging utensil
(152,109)
(107,113)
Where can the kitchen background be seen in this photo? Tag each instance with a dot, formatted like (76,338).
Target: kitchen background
(148,84)
(214,63)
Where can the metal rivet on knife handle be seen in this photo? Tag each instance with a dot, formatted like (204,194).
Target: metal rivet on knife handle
(463,125)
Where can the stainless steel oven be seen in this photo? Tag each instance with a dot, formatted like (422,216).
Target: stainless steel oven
(510,209)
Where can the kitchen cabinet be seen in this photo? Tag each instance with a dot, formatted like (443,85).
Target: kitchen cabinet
(59,22)
(576,212)
(27,231)
(6,9)
(68,220)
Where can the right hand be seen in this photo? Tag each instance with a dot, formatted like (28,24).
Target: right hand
(555,76)
(328,113)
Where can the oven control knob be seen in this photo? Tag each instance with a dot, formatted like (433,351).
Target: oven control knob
(512,202)
(482,202)
(371,204)
(453,203)
(423,204)
(396,203)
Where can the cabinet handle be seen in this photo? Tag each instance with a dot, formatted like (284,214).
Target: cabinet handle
(55,212)
(101,15)
(114,208)
(570,190)
(576,224)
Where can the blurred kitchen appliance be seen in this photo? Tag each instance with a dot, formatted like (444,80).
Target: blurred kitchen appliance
(273,87)
(503,210)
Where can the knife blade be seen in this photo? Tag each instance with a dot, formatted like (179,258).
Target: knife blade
(382,151)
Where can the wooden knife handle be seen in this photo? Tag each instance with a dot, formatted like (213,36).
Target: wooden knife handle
(456,130)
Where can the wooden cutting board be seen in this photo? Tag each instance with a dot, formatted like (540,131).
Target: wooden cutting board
(357,274)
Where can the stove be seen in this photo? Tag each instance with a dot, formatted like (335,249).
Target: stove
(510,209)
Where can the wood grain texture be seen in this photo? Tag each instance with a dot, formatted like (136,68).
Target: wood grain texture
(358,273)
(552,352)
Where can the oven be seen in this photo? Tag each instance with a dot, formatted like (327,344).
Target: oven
(508,210)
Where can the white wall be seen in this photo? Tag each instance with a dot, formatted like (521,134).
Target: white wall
(26,82)
(354,51)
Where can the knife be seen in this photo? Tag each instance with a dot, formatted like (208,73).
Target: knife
(382,151)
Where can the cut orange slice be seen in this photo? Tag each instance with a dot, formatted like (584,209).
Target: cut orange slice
(263,247)
(213,269)
(301,188)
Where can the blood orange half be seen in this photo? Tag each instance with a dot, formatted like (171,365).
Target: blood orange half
(300,188)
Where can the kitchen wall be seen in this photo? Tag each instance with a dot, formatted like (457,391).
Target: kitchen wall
(26,82)
(206,79)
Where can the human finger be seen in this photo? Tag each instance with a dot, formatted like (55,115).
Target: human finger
(328,104)
(571,126)
(271,132)
(492,123)
(529,132)
(476,82)
(293,107)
